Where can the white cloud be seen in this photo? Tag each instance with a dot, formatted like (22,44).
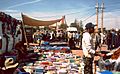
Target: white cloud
(111,19)
(10,11)
(26,3)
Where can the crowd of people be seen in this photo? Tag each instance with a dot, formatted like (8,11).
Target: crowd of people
(113,39)
(73,38)
(110,38)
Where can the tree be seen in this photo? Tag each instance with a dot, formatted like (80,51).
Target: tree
(63,26)
(80,26)
(74,24)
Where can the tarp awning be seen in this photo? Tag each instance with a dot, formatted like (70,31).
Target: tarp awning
(33,22)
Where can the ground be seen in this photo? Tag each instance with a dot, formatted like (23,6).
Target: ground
(80,53)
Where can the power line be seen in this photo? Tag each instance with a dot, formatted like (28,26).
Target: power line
(112,10)
(89,17)
(64,14)
(113,3)
(112,6)
(90,8)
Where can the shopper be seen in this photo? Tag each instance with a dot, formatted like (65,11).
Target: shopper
(88,48)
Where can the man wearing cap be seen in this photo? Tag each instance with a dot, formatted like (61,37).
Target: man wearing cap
(88,48)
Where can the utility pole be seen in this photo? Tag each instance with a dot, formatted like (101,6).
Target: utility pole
(97,11)
(102,10)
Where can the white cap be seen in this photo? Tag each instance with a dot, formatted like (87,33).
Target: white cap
(117,29)
(0,37)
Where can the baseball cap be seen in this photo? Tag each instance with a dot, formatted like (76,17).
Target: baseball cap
(90,25)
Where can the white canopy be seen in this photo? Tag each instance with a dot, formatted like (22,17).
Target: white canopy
(71,29)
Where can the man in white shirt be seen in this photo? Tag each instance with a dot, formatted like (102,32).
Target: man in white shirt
(88,48)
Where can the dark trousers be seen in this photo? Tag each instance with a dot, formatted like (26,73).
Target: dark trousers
(88,68)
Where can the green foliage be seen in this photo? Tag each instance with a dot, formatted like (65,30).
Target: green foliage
(63,26)
(73,25)
(79,27)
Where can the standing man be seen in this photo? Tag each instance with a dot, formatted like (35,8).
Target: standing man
(88,48)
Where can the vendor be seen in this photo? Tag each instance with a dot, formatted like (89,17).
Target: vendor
(37,36)
(23,55)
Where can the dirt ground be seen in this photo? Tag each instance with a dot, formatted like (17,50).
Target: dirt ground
(79,52)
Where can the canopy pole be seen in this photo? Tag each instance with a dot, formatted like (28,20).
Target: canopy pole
(65,20)
(56,30)
(25,35)
(24,32)
(56,27)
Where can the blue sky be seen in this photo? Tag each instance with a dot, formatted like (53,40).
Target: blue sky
(72,9)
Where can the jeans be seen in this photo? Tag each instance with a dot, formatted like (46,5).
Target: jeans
(88,69)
